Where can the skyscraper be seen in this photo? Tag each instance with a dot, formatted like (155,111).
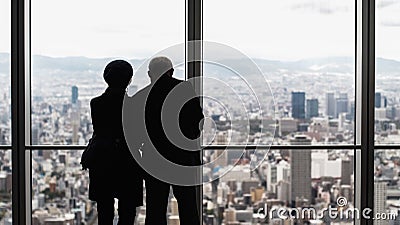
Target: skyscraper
(384,101)
(74,97)
(75,114)
(347,171)
(330,104)
(380,192)
(342,104)
(312,108)
(378,99)
(350,115)
(298,105)
(300,169)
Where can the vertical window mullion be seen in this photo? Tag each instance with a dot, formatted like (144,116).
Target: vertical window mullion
(194,59)
(18,70)
(367,117)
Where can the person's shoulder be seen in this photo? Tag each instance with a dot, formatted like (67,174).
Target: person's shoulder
(94,101)
(177,81)
(100,100)
(182,83)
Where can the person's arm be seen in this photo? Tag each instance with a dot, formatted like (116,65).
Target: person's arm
(93,115)
(191,114)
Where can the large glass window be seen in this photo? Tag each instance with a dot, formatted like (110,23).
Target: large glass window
(387,104)
(60,188)
(386,186)
(5,187)
(5,72)
(72,41)
(288,180)
(304,49)
(387,31)
(5,113)
(304,52)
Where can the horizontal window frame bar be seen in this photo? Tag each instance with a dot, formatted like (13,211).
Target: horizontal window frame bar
(218,147)
(284,147)
(212,147)
(5,147)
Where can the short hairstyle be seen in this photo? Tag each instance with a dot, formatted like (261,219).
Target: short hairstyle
(118,73)
(160,65)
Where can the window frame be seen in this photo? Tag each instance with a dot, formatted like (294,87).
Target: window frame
(21,103)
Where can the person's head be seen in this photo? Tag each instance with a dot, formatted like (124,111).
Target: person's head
(118,74)
(160,66)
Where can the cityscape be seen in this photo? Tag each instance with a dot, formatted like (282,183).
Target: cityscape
(306,102)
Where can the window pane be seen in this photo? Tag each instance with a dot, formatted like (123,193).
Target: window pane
(5,113)
(72,41)
(5,72)
(305,51)
(386,186)
(286,180)
(5,187)
(387,102)
(60,188)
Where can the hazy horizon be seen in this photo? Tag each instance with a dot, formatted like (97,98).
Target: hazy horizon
(252,58)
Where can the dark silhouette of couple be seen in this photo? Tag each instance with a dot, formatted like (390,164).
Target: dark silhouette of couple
(118,170)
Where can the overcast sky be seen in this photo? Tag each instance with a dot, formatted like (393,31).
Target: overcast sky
(271,29)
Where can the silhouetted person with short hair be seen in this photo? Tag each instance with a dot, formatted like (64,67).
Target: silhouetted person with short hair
(115,173)
(163,94)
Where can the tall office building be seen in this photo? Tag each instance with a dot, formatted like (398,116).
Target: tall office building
(74,96)
(75,122)
(384,101)
(75,114)
(312,108)
(330,104)
(378,100)
(347,171)
(300,169)
(35,134)
(350,115)
(391,113)
(298,105)
(283,191)
(380,193)
(342,104)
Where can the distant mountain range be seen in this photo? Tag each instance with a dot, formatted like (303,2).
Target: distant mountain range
(332,64)
(69,64)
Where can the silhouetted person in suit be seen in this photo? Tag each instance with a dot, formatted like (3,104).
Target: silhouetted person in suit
(166,100)
(115,173)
